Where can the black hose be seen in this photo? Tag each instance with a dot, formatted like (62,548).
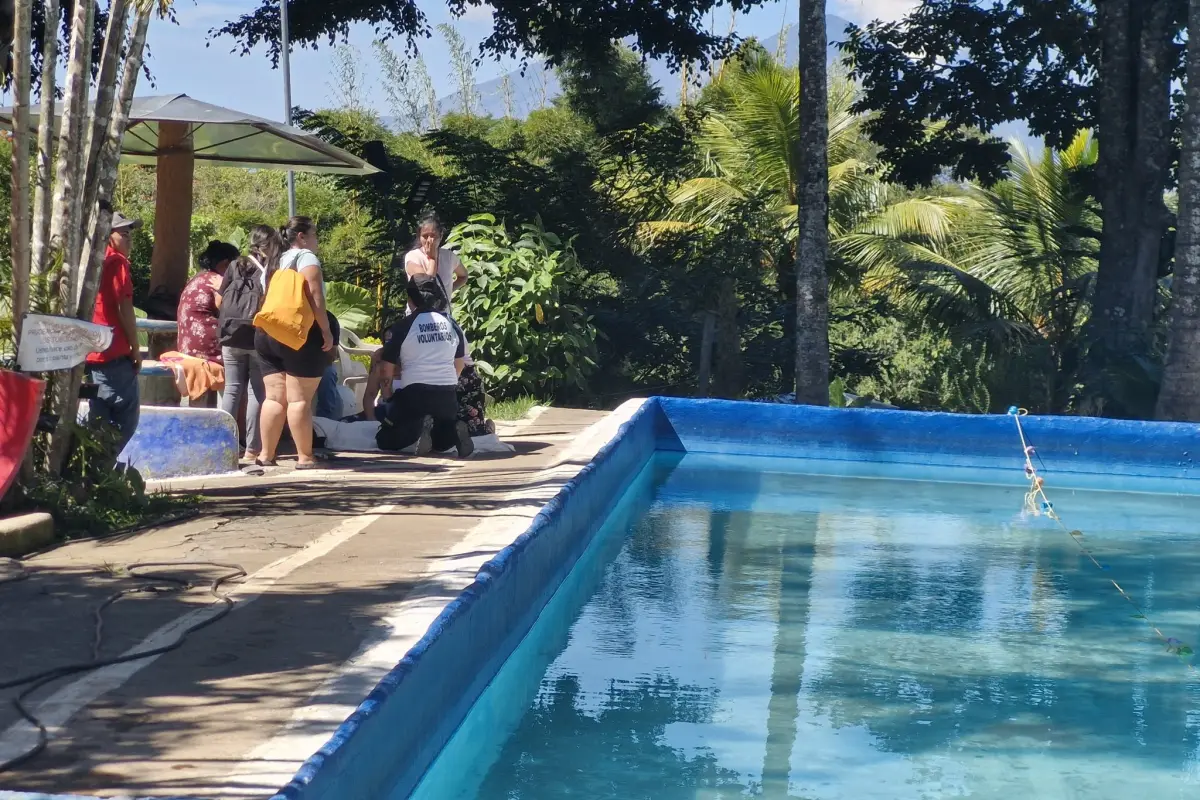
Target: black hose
(39,679)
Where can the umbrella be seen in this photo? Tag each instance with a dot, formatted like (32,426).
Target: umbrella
(172,132)
(223,137)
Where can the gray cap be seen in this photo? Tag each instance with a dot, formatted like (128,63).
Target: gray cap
(122,223)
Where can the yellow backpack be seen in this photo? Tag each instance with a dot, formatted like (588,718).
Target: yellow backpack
(286,315)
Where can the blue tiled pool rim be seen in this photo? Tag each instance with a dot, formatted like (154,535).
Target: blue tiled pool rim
(401,726)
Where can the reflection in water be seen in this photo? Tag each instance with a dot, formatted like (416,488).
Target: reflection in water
(779,635)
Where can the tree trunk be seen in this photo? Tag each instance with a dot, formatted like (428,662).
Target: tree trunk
(1133,132)
(108,159)
(64,229)
(106,89)
(812,252)
(100,218)
(727,372)
(1180,396)
(45,147)
(19,216)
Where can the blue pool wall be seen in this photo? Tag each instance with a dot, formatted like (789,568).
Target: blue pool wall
(1071,452)
(397,732)
(394,736)
(400,728)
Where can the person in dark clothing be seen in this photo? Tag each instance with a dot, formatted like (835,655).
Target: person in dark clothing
(421,403)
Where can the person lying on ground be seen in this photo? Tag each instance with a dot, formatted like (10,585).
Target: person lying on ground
(421,405)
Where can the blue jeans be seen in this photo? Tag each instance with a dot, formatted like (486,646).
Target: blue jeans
(329,401)
(243,378)
(117,401)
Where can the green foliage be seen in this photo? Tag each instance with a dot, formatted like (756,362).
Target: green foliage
(512,410)
(611,92)
(523,336)
(353,306)
(1034,60)
(92,497)
(675,29)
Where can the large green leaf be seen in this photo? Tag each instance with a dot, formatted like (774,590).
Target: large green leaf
(353,306)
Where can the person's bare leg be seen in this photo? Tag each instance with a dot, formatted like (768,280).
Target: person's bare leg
(300,393)
(371,393)
(272,416)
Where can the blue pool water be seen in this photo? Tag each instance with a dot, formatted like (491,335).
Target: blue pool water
(739,628)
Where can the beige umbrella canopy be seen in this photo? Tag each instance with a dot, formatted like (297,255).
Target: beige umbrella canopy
(172,132)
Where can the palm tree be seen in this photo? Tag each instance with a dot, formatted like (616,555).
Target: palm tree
(1011,266)
(748,143)
(1179,398)
(812,194)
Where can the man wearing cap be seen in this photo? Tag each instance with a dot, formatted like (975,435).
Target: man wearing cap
(115,370)
(428,348)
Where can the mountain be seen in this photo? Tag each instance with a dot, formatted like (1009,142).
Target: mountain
(538,87)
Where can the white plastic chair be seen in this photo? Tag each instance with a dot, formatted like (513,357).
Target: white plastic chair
(352,376)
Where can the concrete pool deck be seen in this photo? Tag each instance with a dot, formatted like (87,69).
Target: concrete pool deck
(345,566)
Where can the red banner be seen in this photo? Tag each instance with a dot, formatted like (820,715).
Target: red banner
(20,405)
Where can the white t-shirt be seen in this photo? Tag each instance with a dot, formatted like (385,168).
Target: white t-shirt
(298,258)
(448,261)
(424,346)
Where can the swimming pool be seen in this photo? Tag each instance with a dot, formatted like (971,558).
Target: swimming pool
(858,609)
(744,627)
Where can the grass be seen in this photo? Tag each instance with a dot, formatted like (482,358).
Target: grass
(511,410)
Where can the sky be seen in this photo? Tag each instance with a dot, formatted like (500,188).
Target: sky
(184,61)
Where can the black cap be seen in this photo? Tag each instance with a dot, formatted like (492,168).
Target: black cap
(426,293)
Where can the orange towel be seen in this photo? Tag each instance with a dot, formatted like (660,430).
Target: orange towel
(194,376)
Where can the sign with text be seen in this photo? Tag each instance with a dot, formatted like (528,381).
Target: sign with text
(50,343)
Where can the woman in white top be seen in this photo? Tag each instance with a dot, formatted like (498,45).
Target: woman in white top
(291,377)
(428,257)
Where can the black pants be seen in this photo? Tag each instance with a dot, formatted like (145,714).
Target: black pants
(400,422)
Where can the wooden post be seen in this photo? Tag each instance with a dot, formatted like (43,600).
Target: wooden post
(172,208)
(706,348)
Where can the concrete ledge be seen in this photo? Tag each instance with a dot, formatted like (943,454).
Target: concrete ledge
(183,443)
(25,533)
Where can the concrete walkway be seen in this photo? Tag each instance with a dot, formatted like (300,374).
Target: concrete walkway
(328,554)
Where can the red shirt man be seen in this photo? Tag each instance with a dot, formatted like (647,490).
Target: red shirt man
(114,300)
(115,371)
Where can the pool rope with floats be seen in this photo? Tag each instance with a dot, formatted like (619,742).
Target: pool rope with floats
(1038,503)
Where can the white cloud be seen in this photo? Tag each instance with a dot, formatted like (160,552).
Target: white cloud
(869,10)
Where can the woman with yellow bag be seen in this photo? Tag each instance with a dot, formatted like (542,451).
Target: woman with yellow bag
(295,342)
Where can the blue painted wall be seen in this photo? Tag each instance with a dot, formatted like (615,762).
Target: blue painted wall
(182,443)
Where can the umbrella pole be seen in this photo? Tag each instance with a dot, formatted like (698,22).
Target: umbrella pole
(285,50)
(173,209)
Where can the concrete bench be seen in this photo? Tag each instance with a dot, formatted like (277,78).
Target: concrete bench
(183,443)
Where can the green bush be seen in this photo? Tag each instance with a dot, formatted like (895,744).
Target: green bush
(523,337)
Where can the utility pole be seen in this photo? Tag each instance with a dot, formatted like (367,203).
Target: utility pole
(285,47)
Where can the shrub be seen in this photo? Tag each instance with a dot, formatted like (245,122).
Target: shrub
(523,337)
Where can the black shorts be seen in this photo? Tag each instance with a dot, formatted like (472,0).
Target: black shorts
(310,361)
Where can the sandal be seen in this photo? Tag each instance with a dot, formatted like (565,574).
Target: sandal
(258,462)
(310,465)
